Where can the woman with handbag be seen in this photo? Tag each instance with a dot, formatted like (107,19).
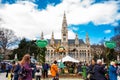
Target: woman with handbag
(25,65)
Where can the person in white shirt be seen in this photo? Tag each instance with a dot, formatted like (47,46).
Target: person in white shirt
(38,71)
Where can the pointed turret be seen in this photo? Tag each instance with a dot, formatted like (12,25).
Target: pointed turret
(76,40)
(42,37)
(87,39)
(52,36)
(52,39)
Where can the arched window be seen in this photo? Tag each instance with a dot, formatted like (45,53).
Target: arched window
(51,50)
(77,55)
(48,54)
(85,54)
(80,55)
(88,50)
(51,55)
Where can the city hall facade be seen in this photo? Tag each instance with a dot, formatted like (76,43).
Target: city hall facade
(76,48)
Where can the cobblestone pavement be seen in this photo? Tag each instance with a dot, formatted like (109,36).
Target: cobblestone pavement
(2,77)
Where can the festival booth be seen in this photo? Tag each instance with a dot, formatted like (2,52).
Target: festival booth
(68,59)
(70,64)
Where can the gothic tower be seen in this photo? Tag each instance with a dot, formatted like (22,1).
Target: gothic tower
(64,31)
(87,39)
(42,36)
(76,40)
(52,39)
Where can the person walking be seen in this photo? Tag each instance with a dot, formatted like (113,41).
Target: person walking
(79,68)
(25,65)
(113,71)
(16,70)
(38,72)
(54,71)
(45,70)
(33,65)
(90,72)
(99,70)
(8,69)
(84,72)
(12,70)
(118,71)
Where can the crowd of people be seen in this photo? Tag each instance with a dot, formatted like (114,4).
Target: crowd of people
(25,70)
(100,71)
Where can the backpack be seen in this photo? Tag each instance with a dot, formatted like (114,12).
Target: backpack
(22,72)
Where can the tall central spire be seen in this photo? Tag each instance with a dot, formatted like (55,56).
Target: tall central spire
(76,40)
(42,36)
(52,39)
(64,24)
(87,39)
(64,32)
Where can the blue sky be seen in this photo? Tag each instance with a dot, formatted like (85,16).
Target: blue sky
(28,18)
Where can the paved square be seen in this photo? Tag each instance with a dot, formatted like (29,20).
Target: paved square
(2,77)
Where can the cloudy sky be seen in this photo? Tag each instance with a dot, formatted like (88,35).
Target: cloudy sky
(28,18)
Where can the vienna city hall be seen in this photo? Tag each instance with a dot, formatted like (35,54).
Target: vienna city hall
(75,48)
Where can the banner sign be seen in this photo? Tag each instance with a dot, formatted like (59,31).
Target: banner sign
(110,44)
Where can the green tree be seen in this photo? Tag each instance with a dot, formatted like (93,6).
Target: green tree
(41,55)
(111,55)
(116,38)
(29,47)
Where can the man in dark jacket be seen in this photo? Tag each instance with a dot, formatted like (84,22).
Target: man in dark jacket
(17,68)
(90,72)
(8,69)
(45,70)
(99,70)
(33,65)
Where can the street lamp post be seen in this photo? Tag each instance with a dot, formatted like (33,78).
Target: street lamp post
(118,58)
(15,58)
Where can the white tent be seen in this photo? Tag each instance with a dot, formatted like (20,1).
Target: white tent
(68,59)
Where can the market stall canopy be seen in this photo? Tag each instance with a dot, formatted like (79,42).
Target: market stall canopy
(68,59)
(61,65)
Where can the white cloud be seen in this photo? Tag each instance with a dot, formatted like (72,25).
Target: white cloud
(29,22)
(71,35)
(107,31)
(115,24)
(75,28)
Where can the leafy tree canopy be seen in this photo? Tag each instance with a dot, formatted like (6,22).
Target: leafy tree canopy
(31,48)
